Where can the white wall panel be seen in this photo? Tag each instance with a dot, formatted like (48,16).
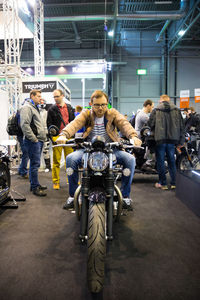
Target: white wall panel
(4,104)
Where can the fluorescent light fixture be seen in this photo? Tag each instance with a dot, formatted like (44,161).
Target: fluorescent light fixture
(91,68)
(141,71)
(181,32)
(163,2)
(111,33)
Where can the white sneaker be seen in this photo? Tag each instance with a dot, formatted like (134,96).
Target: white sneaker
(69,204)
(127,204)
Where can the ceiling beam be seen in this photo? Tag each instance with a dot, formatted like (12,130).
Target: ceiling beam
(114,24)
(141,16)
(77,36)
(186,25)
(76,4)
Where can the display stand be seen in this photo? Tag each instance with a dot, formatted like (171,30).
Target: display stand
(188,189)
(11,202)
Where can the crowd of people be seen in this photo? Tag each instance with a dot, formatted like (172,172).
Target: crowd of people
(165,121)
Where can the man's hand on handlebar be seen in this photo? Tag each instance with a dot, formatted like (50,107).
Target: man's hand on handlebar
(61,139)
(136,142)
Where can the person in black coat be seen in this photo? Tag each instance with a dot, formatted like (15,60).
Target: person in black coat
(59,114)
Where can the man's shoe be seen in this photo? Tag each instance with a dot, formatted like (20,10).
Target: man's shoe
(25,176)
(39,192)
(69,204)
(164,187)
(42,187)
(158,185)
(127,204)
(56,186)
(173,187)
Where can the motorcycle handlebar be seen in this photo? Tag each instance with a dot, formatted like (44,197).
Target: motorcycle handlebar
(64,145)
(111,145)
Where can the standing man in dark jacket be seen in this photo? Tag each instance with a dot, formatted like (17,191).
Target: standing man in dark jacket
(192,120)
(167,124)
(59,114)
(34,137)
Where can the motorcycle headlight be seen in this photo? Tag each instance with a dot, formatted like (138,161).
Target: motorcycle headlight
(98,161)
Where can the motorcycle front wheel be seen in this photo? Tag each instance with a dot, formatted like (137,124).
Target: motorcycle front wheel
(184,164)
(4,182)
(96,246)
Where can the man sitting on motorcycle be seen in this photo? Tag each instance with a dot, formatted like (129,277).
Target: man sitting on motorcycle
(103,122)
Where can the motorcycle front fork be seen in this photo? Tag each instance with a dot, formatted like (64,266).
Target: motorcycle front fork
(84,208)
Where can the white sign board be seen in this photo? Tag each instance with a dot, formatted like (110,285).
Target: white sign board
(197,95)
(184,93)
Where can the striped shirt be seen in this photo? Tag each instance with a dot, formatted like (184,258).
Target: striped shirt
(99,129)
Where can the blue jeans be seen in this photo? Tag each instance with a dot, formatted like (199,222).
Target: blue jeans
(34,152)
(24,160)
(169,149)
(74,160)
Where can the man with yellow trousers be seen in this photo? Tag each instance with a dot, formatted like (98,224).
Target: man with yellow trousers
(60,114)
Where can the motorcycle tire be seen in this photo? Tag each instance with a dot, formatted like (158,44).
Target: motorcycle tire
(4,182)
(183,163)
(96,247)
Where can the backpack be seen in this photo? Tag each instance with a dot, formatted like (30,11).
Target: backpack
(132,120)
(13,126)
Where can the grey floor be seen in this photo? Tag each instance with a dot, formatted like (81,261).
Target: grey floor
(155,254)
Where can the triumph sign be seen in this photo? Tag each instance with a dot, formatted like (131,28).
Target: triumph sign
(44,86)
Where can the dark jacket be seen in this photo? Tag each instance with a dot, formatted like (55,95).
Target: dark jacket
(167,124)
(54,116)
(193,121)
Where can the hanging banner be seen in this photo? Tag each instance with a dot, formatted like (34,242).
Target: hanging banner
(197,95)
(184,98)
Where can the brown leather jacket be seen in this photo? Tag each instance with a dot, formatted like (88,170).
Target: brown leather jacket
(114,120)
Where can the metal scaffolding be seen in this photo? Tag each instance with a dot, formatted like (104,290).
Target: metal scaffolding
(39,38)
(11,67)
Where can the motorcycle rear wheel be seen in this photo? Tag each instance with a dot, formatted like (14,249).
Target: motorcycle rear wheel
(96,247)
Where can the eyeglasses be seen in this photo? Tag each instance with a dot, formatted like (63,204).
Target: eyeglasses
(100,105)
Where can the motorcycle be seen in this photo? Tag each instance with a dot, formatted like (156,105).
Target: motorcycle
(144,165)
(98,202)
(4,174)
(187,156)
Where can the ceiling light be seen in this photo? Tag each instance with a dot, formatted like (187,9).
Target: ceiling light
(181,32)
(111,33)
(163,2)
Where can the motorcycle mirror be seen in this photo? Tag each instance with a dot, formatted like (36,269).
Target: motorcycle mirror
(145,131)
(53,130)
